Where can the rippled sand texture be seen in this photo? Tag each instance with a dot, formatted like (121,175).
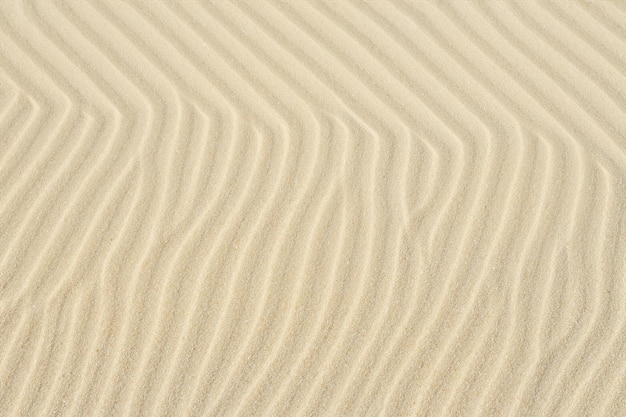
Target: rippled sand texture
(312,208)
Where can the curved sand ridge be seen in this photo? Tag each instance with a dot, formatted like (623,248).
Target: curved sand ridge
(328,208)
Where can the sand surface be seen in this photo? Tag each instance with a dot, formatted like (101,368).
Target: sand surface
(312,208)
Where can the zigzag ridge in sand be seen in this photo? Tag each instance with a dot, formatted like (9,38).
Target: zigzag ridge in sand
(320,208)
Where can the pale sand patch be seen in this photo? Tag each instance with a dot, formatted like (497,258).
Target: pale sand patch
(312,208)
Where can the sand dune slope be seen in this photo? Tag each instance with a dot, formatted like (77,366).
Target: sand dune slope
(312,208)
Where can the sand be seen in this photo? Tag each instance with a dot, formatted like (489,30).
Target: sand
(312,208)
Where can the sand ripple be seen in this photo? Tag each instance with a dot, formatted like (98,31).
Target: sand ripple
(320,208)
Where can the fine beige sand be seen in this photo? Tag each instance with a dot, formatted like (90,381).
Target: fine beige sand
(312,208)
